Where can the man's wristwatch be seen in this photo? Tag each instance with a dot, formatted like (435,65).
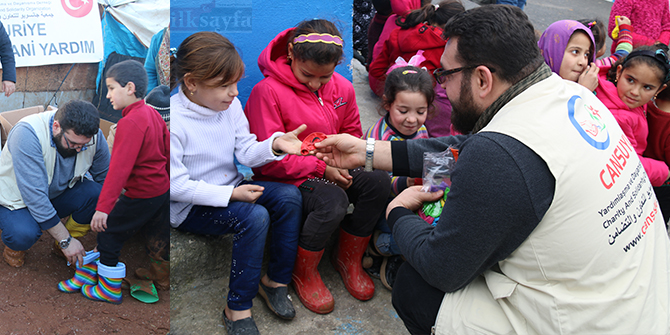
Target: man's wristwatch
(63,244)
(369,153)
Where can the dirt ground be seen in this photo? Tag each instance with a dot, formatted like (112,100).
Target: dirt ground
(30,302)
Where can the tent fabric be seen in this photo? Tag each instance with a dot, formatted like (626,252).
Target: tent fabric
(143,17)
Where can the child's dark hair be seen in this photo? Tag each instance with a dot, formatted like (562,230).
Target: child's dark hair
(80,116)
(206,55)
(433,15)
(598,30)
(646,54)
(319,53)
(408,78)
(128,71)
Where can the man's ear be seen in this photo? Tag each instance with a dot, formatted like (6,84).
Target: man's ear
(483,81)
(55,126)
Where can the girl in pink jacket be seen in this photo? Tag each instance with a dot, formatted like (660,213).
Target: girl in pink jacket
(626,88)
(302,87)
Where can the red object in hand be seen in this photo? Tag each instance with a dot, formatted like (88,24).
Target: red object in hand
(308,142)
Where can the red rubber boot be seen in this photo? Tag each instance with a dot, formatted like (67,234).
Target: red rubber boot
(307,282)
(347,261)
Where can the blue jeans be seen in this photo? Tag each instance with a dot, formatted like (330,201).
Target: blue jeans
(385,242)
(279,206)
(20,230)
(518,3)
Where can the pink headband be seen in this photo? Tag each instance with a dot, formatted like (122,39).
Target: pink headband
(318,38)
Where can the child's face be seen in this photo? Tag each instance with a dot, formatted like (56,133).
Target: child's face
(637,84)
(312,74)
(217,98)
(120,96)
(408,112)
(576,56)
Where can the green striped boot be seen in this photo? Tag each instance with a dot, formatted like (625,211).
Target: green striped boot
(84,275)
(108,288)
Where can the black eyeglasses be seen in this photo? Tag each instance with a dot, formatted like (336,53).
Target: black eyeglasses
(442,74)
(72,145)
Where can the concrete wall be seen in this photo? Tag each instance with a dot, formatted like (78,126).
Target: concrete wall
(251,25)
(36,85)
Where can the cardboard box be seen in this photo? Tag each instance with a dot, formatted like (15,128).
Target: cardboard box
(10,118)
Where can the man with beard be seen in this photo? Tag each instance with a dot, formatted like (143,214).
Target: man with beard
(551,225)
(42,179)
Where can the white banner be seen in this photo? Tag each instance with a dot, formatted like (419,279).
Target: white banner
(53,31)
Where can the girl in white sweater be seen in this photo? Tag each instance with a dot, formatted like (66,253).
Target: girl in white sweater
(207,193)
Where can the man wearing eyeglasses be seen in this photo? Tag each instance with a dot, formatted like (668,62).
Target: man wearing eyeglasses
(551,225)
(43,169)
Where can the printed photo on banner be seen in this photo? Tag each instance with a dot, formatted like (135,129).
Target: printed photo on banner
(47,32)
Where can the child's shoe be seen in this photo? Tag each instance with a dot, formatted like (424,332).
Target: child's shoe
(84,275)
(108,288)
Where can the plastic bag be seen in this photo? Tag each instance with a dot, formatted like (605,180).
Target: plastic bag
(437,168)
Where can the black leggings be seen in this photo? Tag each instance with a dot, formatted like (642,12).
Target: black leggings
(415,301)
(325,206)
(129,216)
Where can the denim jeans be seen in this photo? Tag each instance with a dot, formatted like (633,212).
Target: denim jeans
(280,206)
(20,230)
(519,3)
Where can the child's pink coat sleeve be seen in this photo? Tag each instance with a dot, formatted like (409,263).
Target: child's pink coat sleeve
(265,118)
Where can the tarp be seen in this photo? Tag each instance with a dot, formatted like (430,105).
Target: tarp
(45,32)
(128,25)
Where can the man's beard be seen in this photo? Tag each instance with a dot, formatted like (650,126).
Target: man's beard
(63,151)
(464,112)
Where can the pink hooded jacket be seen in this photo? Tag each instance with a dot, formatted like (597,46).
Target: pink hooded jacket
(280,103)
(400,9)
(634,125)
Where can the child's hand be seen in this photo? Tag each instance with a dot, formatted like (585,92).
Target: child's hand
(289,142)
(99,221)
(340,177)
(623,20)
(589,78)
(247,193)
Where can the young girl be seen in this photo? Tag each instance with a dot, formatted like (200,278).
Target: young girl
(658,143)
(626,88)
(650,18)
(599,34)
(407,100)
(421,30)
(207,193)
(568,48)
(301,86)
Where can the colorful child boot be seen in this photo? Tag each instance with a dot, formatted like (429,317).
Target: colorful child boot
(86,274)
(108,288)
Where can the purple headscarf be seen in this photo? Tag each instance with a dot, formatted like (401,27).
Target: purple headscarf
(555,39)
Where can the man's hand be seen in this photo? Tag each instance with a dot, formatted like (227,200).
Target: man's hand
(340,177)
(8,87)
(289,142)
(413,198)
(343,151)
(589,78)
(74,252)
(247,193)
(99,221)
